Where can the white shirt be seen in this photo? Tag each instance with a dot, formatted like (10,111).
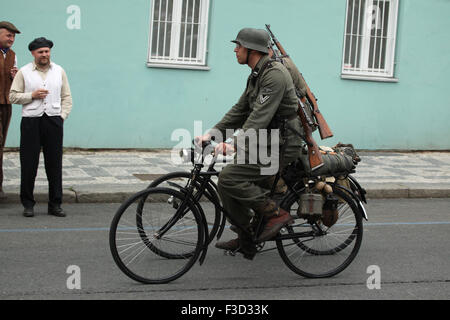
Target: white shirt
(19,94)
(51,104)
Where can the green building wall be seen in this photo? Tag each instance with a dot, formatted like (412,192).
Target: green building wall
(121,103)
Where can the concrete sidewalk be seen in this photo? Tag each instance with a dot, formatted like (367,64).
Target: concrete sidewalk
(112,176)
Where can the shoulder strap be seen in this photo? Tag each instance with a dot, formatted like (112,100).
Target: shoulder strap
(258,72)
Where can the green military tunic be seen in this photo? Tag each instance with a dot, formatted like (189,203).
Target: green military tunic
(269,93)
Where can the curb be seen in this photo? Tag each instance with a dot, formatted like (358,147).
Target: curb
(407,193)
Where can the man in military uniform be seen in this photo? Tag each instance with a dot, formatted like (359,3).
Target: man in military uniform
(268,97)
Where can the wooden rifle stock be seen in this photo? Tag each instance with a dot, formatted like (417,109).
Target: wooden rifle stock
(324,129)
(314,155)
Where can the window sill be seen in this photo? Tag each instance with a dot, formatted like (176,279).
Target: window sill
(177,66)
(368,78)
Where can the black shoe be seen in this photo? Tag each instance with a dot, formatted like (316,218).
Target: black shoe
(2,195)
(28,212)
(56,211)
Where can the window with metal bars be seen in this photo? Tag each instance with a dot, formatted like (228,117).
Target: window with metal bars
(369,40)
(178,33)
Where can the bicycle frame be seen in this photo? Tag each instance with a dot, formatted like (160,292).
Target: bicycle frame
(207,187)
(309,234)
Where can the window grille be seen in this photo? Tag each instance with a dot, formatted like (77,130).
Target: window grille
(369,40)
(178,33)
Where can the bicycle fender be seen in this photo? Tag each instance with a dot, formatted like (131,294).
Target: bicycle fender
(212,195)
(357,200)
(205,228)
(157,181)
(214,185)
(222,227)
(361,190)
(194,203)
(173,184)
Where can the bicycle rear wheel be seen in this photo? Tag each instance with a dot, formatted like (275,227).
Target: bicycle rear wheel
(316,251)
(138,245)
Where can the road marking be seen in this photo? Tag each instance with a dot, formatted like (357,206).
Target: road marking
(405,223)
(369,224)
(53,230)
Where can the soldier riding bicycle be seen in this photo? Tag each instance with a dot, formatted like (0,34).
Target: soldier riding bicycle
(269,99)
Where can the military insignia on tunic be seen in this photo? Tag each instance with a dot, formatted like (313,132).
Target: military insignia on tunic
(265,95)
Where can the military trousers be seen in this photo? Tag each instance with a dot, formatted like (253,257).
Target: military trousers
(241,188)
(35,133)
(5,118)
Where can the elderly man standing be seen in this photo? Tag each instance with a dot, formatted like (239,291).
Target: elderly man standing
(8,69)
(43,89)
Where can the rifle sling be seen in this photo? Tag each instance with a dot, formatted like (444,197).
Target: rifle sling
(299,134)
(256,73)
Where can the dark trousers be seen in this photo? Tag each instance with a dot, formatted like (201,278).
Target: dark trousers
(45,132)
(5,118)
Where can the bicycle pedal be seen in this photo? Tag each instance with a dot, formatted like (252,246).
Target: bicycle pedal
(229,253)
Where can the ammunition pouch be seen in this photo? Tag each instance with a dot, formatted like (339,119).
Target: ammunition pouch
(330,213)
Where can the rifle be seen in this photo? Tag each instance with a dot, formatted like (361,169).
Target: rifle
(324,129)
(314,155)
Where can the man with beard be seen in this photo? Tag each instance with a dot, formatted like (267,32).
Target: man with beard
(43,89)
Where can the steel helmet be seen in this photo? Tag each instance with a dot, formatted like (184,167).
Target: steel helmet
(254,39)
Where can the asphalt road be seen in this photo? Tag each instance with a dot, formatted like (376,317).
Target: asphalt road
(407,239)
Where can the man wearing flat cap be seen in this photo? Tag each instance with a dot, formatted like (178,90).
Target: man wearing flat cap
(8,69)
(43,89)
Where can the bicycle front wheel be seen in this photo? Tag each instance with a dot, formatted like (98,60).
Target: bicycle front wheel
(178,180)
(315,251)
(141,236)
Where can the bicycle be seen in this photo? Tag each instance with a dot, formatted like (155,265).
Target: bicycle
(159,233)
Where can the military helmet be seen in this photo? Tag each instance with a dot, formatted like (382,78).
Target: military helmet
(254,39)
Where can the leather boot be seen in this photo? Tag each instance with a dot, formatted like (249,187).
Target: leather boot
(231,245)
(243,244)
(275,222)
